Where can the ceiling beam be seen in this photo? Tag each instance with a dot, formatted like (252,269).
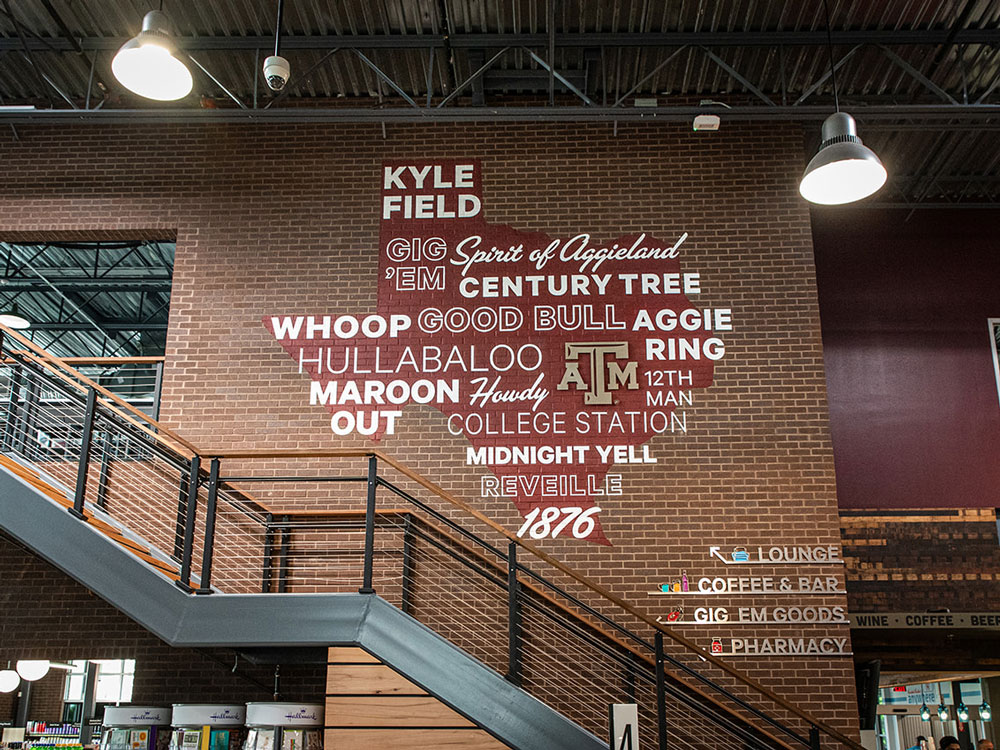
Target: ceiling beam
(109,326)
(568,113)
(85,285)
(933,37)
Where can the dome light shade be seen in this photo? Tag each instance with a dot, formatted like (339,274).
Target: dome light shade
(32,670)
(147,64)
(12,318)
(9,680)
(844,170)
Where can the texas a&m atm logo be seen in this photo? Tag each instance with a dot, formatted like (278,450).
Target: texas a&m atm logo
(607,373)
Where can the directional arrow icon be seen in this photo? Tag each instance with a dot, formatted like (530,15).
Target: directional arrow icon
(715,551)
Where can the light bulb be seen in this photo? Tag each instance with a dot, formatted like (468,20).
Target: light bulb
(985,712)
(843,181)
(150,70)
(925,713)
(962,711)
(943,713)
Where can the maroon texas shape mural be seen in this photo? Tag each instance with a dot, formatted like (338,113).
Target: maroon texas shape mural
(555,357)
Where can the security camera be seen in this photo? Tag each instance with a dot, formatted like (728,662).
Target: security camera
(276,72)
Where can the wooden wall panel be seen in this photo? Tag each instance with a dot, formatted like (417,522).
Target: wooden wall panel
(369,705)
(391,711)
(411,739)
(367,679)
(350,655)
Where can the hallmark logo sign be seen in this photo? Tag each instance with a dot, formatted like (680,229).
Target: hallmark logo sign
(147,715)
(605,375)
(302,714)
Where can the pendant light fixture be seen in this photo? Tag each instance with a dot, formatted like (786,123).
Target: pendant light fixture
(925,713)
(12,318)
(985,712)
(148,64)
(943,713)
(962,712)
(9,680)
(33,669)
(844,170)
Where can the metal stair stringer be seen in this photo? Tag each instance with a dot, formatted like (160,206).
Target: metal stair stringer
(256,620)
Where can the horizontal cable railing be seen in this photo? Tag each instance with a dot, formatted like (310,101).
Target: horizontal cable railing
(356,520)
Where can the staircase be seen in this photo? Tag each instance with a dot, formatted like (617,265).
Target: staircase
(218,550)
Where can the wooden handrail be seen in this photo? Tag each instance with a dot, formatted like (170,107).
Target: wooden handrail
(166,436)
(545,557)
(134,422)
(501,571)
(531,586)
(162,433)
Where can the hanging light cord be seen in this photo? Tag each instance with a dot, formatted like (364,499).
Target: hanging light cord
(829,47)
(277,28)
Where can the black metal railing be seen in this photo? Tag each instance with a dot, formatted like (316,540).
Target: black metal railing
(267,527)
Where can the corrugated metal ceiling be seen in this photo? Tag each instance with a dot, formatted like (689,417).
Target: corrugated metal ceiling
(877,70)
(91,298)
(869,73)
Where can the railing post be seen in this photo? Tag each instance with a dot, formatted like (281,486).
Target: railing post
(205,587)
(286,543)
(191,509)
(182,497)
(407,590)
(814,738)
(16,385)
(366,585)
(80,495)
(265,574)
(629,681)
(661,693)
(513,618)
(157,390)
(27,415)
(102,476)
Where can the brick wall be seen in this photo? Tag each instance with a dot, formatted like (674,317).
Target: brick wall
(48,615)
(912,561)
(285,220)
(46,698)
(924,561)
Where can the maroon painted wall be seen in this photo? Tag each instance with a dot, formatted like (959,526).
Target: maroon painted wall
(904,303)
